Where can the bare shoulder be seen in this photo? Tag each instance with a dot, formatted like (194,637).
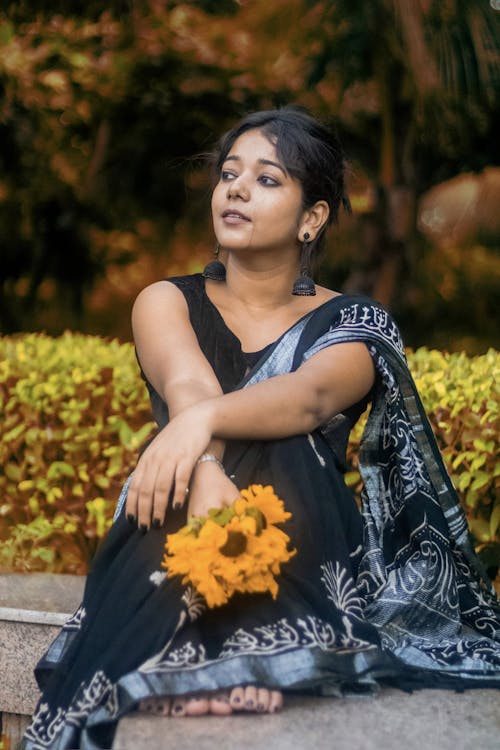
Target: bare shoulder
(160,296)
(159,292)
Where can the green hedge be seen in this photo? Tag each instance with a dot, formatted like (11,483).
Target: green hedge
(74,411)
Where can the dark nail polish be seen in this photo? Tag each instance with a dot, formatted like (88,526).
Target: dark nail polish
(237,700)
(260,707)
(131,518)
(156,523)
(143,528)
(177,709)
(249,704)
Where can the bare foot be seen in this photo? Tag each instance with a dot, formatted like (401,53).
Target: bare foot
(250,699)
(254,699)
(158,706)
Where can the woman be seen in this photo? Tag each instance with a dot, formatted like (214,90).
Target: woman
(264,375)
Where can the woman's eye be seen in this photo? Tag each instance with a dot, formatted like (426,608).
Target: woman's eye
(265,179)
(226,176)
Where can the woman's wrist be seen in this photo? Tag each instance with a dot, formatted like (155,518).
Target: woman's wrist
(210,458)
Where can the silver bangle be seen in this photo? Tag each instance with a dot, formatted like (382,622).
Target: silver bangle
(210,457)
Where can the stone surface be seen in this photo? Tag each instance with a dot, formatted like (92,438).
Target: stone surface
(41,591)
(33,607)
(424,720)
(21,645)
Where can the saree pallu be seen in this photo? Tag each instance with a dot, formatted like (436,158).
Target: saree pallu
(392,595)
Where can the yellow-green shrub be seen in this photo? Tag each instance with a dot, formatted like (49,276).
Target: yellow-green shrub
(74,411)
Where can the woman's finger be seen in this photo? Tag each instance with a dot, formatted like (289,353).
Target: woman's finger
(182,478)
(145,497)
(162,490)
(132,495)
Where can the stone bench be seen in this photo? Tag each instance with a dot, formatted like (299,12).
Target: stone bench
(424,720)
(33,607)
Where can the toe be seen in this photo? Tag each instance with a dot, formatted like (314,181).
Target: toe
(219,705)
(197,706)
(250,699)
(263,698)
(275,701)
(162,707)
(178,707)
(236,698)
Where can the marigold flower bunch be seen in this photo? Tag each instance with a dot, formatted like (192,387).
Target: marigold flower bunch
(237,548)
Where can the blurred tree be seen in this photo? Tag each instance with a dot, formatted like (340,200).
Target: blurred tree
(99,117)
(100,113)
(415,84)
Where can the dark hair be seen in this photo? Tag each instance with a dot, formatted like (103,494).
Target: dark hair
(309,151)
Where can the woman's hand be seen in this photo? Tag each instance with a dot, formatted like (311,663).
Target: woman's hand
(210,488)
(166,466)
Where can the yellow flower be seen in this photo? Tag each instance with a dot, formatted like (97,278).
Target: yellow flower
(233,549)
(265,499)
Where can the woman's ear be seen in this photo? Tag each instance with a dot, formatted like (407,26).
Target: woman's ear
(313,220)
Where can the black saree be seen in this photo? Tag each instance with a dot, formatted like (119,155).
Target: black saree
(392,595)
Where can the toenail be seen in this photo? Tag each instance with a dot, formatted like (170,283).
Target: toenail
(260,707)
(143,528)
(159,709)
(236,700)
(177,708)
(249,704)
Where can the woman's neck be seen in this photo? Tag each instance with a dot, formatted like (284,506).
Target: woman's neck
(267,287)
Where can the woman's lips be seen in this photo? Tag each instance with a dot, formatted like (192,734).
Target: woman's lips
(234,217)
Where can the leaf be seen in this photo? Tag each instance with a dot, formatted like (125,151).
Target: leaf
(495,520)
(13,471)
(60,469)
(46,554)
(464,480)
(481,479)
(221,516)
(480,529)
(352,478)
(14,433)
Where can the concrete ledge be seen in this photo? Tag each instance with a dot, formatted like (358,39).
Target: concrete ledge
(33,608)
(424,720)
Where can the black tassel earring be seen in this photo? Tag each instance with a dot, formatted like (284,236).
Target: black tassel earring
(304,285)
(215,270)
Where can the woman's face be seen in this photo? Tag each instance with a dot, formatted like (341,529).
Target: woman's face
(256,205)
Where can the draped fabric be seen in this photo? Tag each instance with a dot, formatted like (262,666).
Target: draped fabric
(391,595)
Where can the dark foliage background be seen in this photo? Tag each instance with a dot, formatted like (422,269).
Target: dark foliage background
(104,111)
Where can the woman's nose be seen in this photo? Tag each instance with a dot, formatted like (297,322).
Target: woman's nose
(238,188)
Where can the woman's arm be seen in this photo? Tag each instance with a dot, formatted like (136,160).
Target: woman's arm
(173,362)
(329,382)
(285,405)
(168,349)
